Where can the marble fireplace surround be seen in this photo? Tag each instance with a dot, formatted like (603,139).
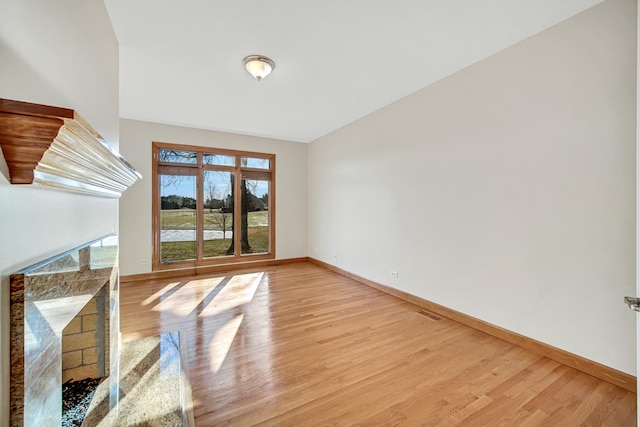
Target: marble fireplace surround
(44,299)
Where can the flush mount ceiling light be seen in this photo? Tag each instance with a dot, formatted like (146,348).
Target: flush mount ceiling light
(258,66)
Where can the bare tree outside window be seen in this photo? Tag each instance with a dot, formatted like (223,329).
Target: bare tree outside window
(223,221)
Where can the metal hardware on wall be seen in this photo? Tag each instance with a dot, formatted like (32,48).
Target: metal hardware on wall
(633,303)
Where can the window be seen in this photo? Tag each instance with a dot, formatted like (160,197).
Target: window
(201,196)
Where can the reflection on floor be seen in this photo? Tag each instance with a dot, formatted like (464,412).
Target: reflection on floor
(300,345)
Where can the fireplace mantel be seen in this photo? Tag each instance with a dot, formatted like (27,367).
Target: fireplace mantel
(55,147)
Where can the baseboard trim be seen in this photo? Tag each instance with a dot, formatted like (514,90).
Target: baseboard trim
(191,272)
(605,373)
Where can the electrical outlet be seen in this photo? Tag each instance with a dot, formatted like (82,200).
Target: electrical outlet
(394,274)
(144,261)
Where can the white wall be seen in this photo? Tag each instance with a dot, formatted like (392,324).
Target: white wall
(637,293)
(65,54)
(505,191)
(135,205)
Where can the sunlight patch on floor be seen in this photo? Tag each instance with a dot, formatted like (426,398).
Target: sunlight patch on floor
(239,291)
(222,340)
(158,294)
(186,299)
(208,298)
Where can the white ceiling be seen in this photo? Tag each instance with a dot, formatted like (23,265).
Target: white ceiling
(336,60)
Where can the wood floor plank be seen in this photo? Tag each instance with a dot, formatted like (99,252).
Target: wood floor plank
(300,345)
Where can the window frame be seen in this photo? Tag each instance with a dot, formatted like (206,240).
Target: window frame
(197,169)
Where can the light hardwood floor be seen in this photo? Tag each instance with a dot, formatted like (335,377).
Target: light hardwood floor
(299,345)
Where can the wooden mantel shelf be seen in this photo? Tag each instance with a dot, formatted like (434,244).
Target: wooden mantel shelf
(55,147)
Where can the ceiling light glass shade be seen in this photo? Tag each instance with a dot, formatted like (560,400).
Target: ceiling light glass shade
(258,66)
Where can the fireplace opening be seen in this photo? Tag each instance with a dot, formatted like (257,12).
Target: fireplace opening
(84,352)
(84,341)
